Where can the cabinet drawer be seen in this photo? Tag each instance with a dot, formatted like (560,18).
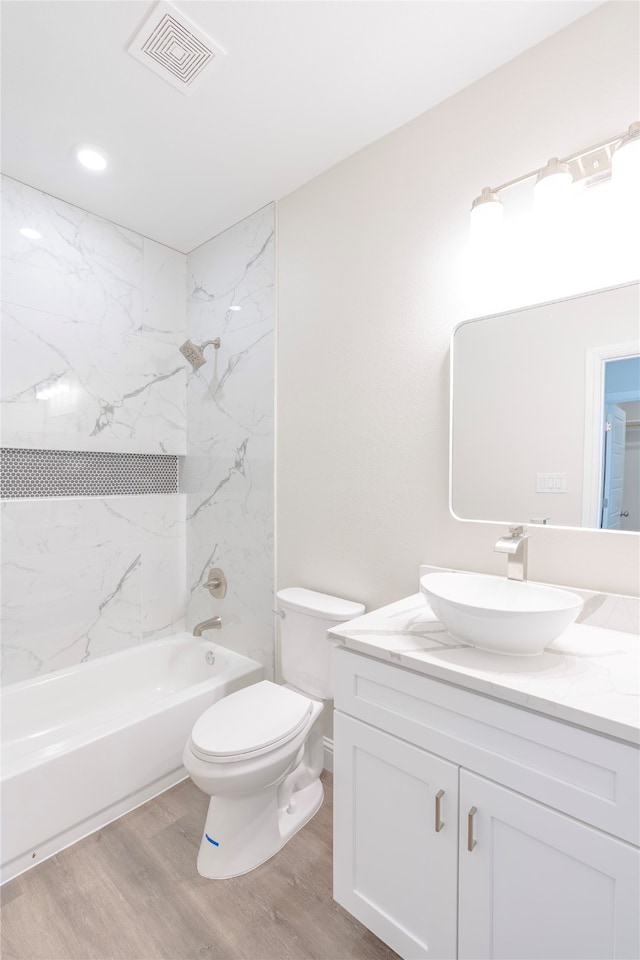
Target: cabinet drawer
(588,776)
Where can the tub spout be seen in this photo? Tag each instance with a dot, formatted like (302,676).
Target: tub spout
(213,624)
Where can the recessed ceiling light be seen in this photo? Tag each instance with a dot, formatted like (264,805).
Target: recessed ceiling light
(31,234)
(91,157)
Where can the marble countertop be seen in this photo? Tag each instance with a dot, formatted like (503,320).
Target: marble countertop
(589,676)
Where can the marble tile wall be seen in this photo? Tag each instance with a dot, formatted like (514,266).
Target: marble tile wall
(81,578)
(93,315)
(228,473)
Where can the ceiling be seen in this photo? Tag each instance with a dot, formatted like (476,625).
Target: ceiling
(304,84)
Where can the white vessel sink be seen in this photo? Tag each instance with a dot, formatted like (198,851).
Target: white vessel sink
(500,615)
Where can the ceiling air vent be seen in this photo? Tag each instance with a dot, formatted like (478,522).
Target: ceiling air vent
(174,48)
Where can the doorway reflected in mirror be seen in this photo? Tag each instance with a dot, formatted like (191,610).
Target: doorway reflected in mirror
(621,445)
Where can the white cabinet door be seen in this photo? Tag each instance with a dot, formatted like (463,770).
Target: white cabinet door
(538,884)
(393,869)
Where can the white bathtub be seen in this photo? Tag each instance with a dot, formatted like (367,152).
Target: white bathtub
(86,744)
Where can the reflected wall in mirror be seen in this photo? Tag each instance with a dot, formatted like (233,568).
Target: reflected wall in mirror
(545,413)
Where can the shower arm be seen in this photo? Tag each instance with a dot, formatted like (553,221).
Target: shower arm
(207,343)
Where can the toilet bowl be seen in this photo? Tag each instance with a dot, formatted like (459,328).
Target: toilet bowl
(259,753)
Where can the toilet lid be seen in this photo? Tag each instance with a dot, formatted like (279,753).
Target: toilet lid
(250,721)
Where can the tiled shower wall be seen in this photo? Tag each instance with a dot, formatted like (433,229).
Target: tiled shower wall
(83,577)
(92,318)
(93,315)
(228,474)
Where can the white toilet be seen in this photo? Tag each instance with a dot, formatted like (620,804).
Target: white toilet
(258,753)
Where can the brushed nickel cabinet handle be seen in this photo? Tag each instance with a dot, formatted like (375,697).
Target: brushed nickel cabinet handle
(470,838)
(439,822)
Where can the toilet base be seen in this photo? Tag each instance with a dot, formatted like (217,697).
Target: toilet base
(242,833)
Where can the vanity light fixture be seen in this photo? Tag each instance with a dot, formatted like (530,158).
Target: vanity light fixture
(553,183)
(486,213)
(91,157)
(30,233)
(618,156)
(626,157)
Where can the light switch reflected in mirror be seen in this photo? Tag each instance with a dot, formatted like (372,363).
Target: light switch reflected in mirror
(545,414)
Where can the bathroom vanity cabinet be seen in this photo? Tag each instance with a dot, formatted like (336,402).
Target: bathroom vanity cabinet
(468,827)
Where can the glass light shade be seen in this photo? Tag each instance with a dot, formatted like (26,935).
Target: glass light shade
(553,185)
(486,216)
(625,163)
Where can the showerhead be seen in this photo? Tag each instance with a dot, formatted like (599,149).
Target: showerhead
(194,354)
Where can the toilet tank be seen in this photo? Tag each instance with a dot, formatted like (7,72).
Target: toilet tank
(306,655)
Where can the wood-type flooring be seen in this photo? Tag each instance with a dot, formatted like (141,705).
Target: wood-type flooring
(131,892)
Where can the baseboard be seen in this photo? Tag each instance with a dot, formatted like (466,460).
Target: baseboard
(328,754)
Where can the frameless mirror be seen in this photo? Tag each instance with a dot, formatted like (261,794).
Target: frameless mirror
(545,413)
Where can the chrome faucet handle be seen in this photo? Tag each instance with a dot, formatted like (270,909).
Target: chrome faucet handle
(216,583)
(515,546)
(518,531)
(512,542)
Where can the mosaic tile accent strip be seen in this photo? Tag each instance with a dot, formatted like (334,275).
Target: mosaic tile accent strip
(83,473)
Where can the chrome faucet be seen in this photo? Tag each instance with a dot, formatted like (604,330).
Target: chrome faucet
(515,546)
(214,623)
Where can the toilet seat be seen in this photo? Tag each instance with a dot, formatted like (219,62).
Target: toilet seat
(249,723)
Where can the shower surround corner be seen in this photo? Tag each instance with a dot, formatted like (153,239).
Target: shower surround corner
(93,318)
(228,473)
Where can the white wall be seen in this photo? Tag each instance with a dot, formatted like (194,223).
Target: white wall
(374,274)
